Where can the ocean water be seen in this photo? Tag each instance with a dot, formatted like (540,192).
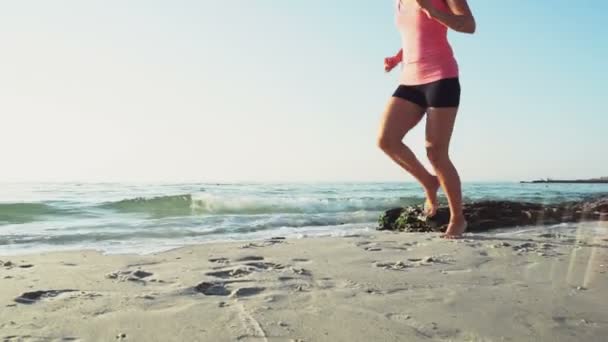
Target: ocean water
(144,218)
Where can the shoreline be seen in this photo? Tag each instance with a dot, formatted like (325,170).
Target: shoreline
(261,239)
(360,232)
(537,285)
(566,181)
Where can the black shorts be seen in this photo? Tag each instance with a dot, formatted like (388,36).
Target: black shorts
(442,93)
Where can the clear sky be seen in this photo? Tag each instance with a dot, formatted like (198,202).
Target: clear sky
(268,90)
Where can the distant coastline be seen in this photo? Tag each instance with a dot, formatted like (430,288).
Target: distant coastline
(601,180)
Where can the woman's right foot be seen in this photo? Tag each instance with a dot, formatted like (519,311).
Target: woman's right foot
(456,229)
(432,203)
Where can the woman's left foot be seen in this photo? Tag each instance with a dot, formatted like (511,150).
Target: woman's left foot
(432,203)
(455,230)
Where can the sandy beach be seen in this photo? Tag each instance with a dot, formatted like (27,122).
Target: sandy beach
(538,286)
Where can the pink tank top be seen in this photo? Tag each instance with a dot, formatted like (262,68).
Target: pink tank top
(427,54)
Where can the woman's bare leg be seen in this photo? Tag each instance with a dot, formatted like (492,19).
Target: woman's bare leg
(399,118)
(439,128)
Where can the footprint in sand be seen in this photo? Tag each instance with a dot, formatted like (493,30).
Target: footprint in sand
(300,280)
(394,266)
(9,264)
(383,245)
(252,264)
(247,292)
(221,289)
(134,276)
(234,273)
(70,264)
(399,317)
(399,248)
(35,296)
(525,247)
(265,265)
(433,331)
(300,260)
(212,289)
(250,258)
(20,338)
(368,245)
(219,260)
(570,322)
(553,236)
(412,262)
(363,243)
(501,245)
(146,296)
(464,270)
(543,249)
(430,330)
(265,243)
(301,287)
(140,264)
(301,271)
(441,259)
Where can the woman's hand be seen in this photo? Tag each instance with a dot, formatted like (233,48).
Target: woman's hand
(458,18)
(391,62)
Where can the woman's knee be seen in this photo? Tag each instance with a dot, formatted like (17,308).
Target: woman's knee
(438,155)
(385,142)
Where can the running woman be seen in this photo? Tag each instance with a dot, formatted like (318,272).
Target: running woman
(429,83)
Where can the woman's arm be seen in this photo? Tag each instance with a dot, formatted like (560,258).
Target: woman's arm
(461,19)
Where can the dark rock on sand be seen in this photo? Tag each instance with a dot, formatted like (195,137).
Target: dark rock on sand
(486,215)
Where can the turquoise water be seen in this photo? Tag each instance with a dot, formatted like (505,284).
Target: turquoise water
(143,218)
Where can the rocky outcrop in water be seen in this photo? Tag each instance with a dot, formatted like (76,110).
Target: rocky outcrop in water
(486,215)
